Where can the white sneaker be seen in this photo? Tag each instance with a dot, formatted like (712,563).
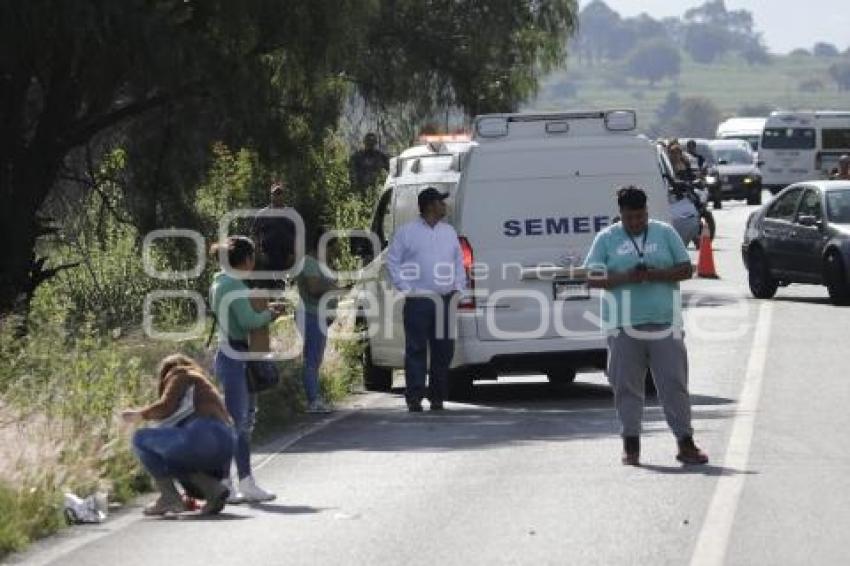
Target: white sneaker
(319,407)
(252,493)
(235,497)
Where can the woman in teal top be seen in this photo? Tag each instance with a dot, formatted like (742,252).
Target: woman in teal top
(314,281)
(236,318)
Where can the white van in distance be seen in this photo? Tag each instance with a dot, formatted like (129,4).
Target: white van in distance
(534,191)
(802,146)
(748,129)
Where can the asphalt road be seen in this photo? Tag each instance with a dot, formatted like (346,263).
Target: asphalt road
(527,474)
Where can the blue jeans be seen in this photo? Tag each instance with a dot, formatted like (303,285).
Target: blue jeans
(315,339)
(241,404)
(420,335)
(204,444)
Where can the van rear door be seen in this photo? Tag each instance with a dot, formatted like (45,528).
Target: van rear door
(533,204)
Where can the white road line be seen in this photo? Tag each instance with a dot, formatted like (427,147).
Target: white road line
(53,549)
(714,537)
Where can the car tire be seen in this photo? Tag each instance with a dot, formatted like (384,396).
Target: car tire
(762,283)
(754,199)
(461,385)
(835,276)
(375,378)
(561,376)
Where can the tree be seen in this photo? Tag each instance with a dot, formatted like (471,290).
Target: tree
(705,42)
(755,52)
(654,60)
(840,73)
(165,79)
(598,25)
(756,110)
(697,118)
(669,108)
(823,49)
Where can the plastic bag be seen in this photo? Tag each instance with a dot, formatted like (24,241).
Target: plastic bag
(92,509)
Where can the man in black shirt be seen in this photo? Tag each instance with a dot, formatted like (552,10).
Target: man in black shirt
(366,165)
(274,234)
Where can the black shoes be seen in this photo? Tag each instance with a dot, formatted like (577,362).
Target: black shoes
(631,451)
(690,454)
(414,406)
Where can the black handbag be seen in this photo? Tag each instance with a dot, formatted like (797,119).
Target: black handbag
(261,375)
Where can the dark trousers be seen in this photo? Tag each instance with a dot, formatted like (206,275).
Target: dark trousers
(421,336)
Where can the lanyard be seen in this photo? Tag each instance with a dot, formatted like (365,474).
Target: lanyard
(642,250)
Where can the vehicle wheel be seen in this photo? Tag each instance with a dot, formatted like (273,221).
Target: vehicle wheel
(762,283)
(375,378)
(754,199)
(460,385)
(835,276)
(561,376)
(649,385)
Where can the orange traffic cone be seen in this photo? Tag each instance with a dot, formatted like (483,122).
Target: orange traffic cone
(705,265)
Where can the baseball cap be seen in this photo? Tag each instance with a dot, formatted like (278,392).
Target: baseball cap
(430,195)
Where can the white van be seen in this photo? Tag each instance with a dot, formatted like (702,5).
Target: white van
(534,191)
(802,146)
(748,129)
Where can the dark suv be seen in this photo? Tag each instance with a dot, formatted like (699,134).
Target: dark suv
(738,176)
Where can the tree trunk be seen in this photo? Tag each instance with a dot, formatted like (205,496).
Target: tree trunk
(24,182)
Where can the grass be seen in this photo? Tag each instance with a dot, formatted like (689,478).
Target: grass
(60,397)
(730,83)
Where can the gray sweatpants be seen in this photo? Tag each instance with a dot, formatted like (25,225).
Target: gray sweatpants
(660,348)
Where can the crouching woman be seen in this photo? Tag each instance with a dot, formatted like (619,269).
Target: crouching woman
(192,442)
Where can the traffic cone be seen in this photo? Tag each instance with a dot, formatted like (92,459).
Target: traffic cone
(705,265)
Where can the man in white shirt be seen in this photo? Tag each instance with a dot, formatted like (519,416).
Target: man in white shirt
(425,263)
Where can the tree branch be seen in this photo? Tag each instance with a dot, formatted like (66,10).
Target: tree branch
(80,134)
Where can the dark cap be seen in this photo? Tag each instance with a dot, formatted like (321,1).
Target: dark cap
(430,195)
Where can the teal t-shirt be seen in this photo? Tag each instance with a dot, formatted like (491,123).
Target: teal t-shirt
(639,303)
(311,268)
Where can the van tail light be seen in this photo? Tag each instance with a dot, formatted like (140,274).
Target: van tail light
(467,303)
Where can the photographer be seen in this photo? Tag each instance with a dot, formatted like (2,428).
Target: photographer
(640,264)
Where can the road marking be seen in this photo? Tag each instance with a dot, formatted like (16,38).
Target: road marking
(53,549)
(713,539)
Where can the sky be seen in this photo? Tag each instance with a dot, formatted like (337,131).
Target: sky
(786,24)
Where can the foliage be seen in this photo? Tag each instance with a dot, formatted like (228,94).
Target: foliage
(823,49)
(840,73)
(654,61)
(165,80)
(697,118)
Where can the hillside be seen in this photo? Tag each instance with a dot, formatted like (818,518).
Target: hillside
(730,84)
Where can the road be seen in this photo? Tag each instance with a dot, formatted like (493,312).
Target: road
(529,475)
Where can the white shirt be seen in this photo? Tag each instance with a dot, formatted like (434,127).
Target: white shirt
(424,259)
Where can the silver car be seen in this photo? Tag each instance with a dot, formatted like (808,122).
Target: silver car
(802,236)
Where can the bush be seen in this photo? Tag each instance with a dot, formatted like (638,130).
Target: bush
(654,61)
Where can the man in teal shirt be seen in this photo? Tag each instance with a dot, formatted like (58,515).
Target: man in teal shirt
(639,263)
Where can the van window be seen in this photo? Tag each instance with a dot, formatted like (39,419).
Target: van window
(789,138)
(836,138)
(785,206)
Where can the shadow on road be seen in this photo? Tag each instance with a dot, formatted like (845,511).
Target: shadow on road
(708,470)
(278,509)
(500,415)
